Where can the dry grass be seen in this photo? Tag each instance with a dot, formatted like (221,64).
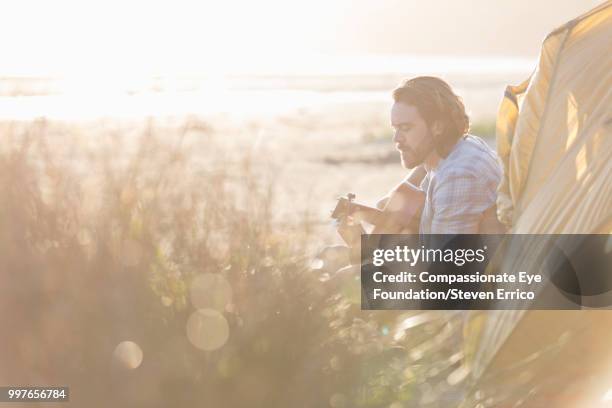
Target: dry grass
(104,230)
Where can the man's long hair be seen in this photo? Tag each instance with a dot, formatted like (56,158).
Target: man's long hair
(436,100)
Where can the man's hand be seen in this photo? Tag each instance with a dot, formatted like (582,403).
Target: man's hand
(351,234)
(382,203)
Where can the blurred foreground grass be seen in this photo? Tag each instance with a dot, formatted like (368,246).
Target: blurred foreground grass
(150,270)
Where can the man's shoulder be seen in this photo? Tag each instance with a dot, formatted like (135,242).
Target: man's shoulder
(471,158)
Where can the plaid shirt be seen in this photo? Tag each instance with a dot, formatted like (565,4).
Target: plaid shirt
(460,188)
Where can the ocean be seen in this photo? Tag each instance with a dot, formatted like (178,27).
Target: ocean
(256,89)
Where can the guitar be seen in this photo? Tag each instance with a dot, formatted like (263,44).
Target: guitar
(400,213)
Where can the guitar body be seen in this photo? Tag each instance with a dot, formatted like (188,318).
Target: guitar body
(401,214)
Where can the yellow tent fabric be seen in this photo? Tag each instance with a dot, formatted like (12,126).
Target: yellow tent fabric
(554,137)
(554,134)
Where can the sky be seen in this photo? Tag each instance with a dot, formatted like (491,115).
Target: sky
(111,37)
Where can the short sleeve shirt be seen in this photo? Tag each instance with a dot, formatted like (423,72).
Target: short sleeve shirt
(461,188)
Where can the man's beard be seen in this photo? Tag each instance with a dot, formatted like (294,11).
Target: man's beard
(412,158)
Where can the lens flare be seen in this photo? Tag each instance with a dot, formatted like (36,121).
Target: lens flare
(207,329)
(128,355)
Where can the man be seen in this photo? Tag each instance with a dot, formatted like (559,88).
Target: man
(458,172)
(462,172)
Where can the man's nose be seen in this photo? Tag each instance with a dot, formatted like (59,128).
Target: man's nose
(396,136)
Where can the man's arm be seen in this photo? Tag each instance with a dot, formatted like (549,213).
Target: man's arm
(415,178)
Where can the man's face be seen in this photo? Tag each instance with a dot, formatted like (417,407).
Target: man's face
(412,136)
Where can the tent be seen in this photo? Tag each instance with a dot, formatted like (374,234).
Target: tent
(554,137)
